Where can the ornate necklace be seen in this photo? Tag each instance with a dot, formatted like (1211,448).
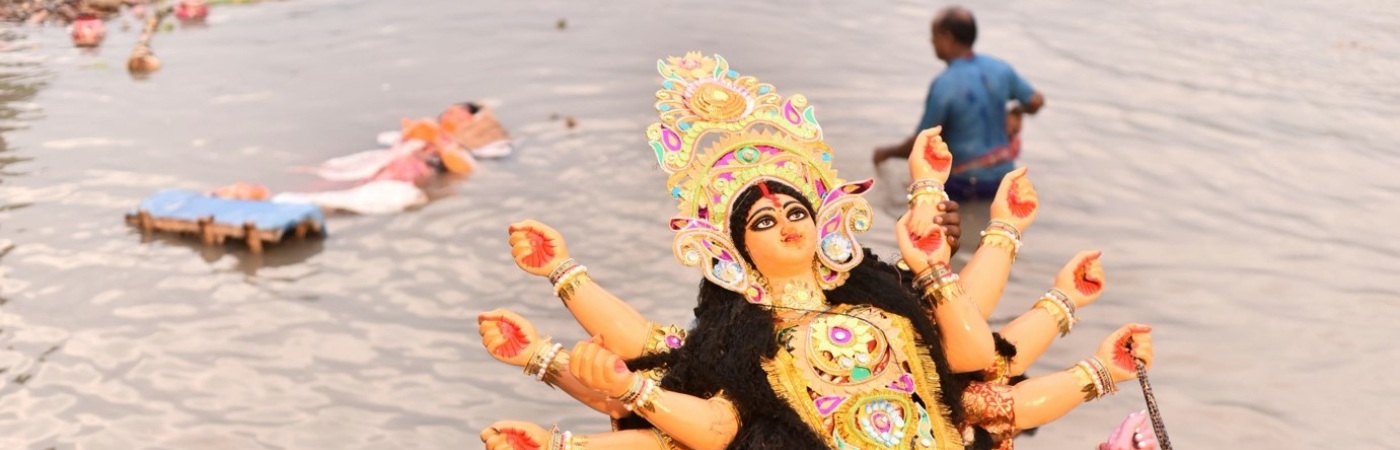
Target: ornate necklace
(802,296)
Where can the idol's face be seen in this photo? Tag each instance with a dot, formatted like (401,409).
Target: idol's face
(780,235)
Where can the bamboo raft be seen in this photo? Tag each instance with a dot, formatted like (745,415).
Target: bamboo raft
(216,220)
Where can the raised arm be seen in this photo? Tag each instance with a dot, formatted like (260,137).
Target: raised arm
(1078,284)
(540,250)
(930,162)
(967,340)
(1013,210)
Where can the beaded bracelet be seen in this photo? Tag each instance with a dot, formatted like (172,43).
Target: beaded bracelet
(1059,306)
(570,281)
(564,440)
(926,279)
(920,192)
(937,274)
(1109,386)
(1097,381)
(640,395)
(996,237)
(563,268)
(1005,226)
(924,185)
(945,288)
(1056,310)
(1064,299)
(543,362)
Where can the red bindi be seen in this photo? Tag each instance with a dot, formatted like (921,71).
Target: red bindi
(763,186)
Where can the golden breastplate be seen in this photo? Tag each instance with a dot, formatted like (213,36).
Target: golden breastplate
(859,378)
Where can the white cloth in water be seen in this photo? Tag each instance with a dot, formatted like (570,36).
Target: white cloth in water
(497,149)
(388,138)
(375,197)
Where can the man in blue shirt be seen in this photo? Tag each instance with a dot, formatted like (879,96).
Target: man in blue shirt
(969,100)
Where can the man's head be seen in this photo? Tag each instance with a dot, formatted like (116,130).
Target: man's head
(954,31)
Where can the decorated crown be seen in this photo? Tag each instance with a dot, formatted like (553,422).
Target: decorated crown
(721,133)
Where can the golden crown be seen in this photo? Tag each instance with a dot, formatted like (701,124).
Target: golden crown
(721,133)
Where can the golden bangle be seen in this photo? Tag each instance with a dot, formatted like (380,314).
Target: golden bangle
(565,440)
(1000,372)
(532,365)
(1001,239)
(1057,311)
(1005,226)
(642,396)
(993,231)
(927,197)
(945,291)
(665,440)
(570,283)
(1086,382)
(634,391)
(722,399)
(926,279)
(557,365)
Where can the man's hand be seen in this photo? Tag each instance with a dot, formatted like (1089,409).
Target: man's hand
(900,150)
(884,153)
(952,223)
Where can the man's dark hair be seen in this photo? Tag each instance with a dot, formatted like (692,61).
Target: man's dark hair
(958,22)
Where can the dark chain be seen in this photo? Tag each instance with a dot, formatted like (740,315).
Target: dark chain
(1157,426)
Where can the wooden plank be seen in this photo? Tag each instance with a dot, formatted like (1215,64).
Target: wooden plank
(210,232)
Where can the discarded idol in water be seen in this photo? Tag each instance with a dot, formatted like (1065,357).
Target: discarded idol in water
(88,31)
(192,10)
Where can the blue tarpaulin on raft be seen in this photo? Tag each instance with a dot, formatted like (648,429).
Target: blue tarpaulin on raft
(191,206)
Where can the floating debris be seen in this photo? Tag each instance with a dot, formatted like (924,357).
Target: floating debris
(215,220)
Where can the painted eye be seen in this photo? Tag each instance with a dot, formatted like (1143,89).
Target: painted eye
(797,214)
(764,223)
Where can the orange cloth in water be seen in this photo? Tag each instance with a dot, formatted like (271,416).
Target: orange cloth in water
(448,150)
(242,191)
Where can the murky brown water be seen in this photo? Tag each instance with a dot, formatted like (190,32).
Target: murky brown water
(1234,160)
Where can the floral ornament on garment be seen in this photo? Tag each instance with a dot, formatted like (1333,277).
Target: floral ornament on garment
(858,377)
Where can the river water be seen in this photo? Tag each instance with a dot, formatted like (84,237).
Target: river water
(1234,160)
